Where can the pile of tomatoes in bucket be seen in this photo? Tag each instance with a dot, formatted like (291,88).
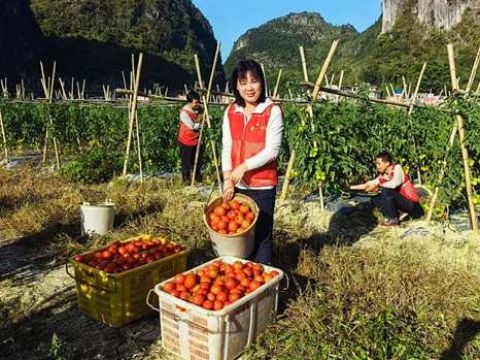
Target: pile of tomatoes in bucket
(231,218)
(123,256)
(219,284)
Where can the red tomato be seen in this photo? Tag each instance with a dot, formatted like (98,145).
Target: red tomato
(220,211)
(237,265)
(222,225)
(169,286)
(232,226)
(216,289)
(190,281)
(212,273)
(259,278)
(205,279)
(274,273)
(208,304)
(234,204)
(244,209)
(184,295)
(222,296)
(222,231)
(175,293)
(225,218)
(181,288)
(245,224)
(198,299)
(254,285)
(267,277)
(250,216)
(211,297)
(78,258)
(230,284)
(225,205)
(218,305)
(234,297)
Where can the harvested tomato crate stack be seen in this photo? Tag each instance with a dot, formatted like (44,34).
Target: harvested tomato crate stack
(113,282)
(216,310)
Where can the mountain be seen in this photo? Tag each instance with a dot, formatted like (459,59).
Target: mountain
(409,33)
(276,45)
(94,39)
(20,41)
(437,14)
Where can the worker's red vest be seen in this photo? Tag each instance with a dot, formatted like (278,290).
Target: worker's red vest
(247,141)
(407,190)
(187,136)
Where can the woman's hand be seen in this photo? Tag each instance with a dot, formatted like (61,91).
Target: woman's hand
(228,190)
(238,173)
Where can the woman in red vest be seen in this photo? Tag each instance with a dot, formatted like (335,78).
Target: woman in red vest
(188,136)
(251,137)
(397,191)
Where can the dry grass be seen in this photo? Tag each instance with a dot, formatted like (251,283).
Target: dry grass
(355,288)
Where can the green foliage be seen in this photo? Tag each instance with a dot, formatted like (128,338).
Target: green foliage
(336,149)
(93,166)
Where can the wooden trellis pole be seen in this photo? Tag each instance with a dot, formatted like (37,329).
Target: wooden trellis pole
(4,137)
(199,72)
(275,91)
(410,111)
(473,73)
(132,112)
(265,76)
(206,118)
(316,91)
(461,135)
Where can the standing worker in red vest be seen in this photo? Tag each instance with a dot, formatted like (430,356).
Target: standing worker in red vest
(251,138)
(397,191)
(188,137)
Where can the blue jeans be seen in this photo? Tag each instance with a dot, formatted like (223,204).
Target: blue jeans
(265,199)
(390,202)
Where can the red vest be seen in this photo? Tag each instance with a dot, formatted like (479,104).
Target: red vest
(187,136)
(407,190)
(247,141)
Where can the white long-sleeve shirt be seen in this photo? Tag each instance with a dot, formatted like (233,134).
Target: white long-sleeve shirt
(395,182)
(273,140)
(186,120)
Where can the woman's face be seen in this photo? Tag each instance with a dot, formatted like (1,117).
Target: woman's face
(249,88)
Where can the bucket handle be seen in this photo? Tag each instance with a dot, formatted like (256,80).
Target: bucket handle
(147,300)
(287,281)
(114,291)
(210,197)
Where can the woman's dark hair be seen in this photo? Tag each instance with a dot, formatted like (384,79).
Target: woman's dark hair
(240,72)
(385,156)
(193,95)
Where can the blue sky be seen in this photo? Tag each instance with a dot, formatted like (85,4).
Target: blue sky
(232,18)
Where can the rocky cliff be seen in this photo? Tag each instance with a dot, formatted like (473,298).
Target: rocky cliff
(437,14)
(20,41)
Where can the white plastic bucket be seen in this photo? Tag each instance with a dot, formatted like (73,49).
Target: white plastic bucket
(97,219)
(238,245)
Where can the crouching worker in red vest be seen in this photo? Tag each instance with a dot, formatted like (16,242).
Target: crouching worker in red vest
(397,191)
(188,137)
(251,139)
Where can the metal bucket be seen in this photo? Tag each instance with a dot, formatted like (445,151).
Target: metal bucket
(237,245)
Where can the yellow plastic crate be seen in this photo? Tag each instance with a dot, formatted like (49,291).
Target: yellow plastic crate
(119,298)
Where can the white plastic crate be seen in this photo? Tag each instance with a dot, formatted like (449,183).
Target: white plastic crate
(193,333)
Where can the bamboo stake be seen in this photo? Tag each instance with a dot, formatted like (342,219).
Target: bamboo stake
(83,89)
(461,135)
(265,76)
(206,118)
(4,137)
(340,83)
(275,91)
(393,89)
(473,73)
(199,73)
(43,81)
(478,88)
(316,90)
(286,181)
(55,145)
(132,114)
(443,170)
(304,64)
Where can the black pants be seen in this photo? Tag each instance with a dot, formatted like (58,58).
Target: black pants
(187,156)
(390,202)
(265,199)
